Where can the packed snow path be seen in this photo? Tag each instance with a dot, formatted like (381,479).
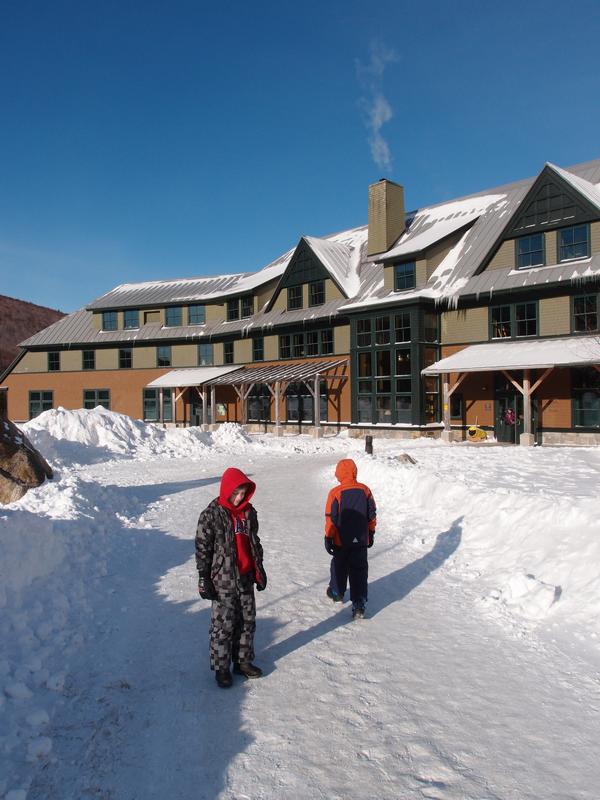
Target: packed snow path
(426,698)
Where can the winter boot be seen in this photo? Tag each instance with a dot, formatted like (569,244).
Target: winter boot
(358,610)
(223,678)
(334,595)
(247,669)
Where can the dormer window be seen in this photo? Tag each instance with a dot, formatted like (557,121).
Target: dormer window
(196,314)
(131,319)
(294,298)
(173,316)
(530,251)
(574,243)
(247,303)
(316,293)
(109,320)
(405,276)
(233,309)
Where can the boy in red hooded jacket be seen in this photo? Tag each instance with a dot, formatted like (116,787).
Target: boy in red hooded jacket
(350,520)
(229,559)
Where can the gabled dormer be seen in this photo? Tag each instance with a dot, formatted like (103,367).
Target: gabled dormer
(558,201)
(320,270)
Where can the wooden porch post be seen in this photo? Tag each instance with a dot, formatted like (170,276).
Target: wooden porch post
(317,407)
(161,405)
(278,429)
(447,432)
(527,438)
(204,409)
(213,410)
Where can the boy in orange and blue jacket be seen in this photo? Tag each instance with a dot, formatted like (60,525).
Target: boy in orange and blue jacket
(350,520)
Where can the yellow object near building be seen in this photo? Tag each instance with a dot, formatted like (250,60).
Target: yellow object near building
(475,434)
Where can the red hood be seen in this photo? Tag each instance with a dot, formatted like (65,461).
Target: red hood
(346,471)
(230,480)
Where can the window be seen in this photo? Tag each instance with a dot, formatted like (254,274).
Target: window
(284,347)
(316,293)
(258,348)
(456,406)
(382,330)
(430,327)
(530,251)
(402,327)
(403,374)
(109,320)
(53,361)
(574,243)
(430,385)
(205,355)
(526,319)
(383,371)
(259,403)
(405,276)
(125,358)
(294,298)
(585,313)
(233,310)
(327,342)
(298,345)
(173,316)
(363,333)
(365,373)
(163,356)
(196,315)
(96,397)
(247,306)
(586,397)
(151,401)
(131,319)
(312,343)
(501,323)
(88,359)
(39,402)
(228,353)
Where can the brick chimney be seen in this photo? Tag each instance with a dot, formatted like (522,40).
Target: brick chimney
(386,215)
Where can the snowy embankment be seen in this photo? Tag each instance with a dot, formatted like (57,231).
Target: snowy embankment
(528,522)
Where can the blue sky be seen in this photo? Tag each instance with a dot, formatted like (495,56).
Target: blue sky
(149,140)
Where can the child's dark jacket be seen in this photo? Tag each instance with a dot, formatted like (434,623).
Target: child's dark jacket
(216,551)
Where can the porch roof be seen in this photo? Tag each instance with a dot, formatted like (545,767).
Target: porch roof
(530,354)
(193,376)
(294,371)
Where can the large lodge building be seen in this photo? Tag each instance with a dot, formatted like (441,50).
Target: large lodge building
(481,311)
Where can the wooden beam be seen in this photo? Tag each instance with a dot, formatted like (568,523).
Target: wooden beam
(527,401)
(459,380)
(541,379)
(512,380)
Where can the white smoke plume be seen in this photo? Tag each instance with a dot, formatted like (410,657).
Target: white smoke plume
(373,103)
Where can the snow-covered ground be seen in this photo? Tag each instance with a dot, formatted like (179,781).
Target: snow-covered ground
(475,675)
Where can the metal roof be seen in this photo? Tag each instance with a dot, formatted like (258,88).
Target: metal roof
(194,376)
(530,354)
(294,371)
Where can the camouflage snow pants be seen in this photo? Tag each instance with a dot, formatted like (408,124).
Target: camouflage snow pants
(232,626)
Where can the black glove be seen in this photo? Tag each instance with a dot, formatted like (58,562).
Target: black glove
(261,578)
(371,538)
(329,546)
(206,588)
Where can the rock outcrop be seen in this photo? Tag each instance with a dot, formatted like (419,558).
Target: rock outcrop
(21,465)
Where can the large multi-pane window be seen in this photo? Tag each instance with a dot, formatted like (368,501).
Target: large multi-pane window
(430,386)
(247,304)
(309,343)
(151,402)
(233,309)
(294,298)
(300,404)
(530,251)
(205,354)
(131,318)
(88,359)
(125,358)
(585,313)
(228,353)
(96,397)
(405,276)
(402,327)
(196,314)
(316,293)
(510,321)
(109,320)
(258,348)
(39,402)
(585,384)
(53,361)
(574,242)
(173,316)
(382,330)
(363,333)
(163,355)
(259,403)
(403,385)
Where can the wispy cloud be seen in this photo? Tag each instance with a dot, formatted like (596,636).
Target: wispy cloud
(374,105)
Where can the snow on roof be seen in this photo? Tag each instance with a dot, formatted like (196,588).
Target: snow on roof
(589,190)
(530,354)
(194,376)
(341,260)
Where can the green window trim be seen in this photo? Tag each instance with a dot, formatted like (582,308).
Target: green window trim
(40,400)
(96,397)
(530,251)
(514,321)
(405,276)
(294,298)
(573,243)
(585,313)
